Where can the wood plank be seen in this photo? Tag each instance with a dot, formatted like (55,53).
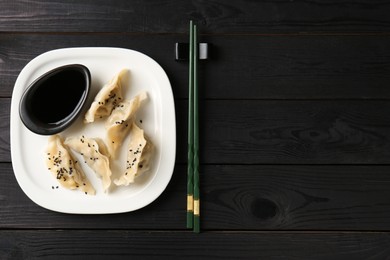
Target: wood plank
(292,132)
(64,244)
(235,197)
(277,132)
(242,67)
(290,197)
(5,151)
(216,16)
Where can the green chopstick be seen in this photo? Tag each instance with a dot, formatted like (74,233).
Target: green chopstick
(193,202)
(196,136)
(190,169)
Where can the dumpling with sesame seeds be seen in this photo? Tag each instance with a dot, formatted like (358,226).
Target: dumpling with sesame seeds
(65,168)
(95,155)
(120,122)
(139,152)
(106,99)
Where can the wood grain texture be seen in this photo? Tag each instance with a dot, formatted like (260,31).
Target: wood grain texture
(5,151)
(215,16)
(238,197)
(241,67)
(180,245)
(290,197)
(289,132)
(277,132)
(295,132)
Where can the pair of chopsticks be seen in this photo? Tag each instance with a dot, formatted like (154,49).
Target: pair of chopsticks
(193,213)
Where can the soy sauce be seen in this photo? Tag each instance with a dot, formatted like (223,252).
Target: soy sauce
(57,96)
(53,102)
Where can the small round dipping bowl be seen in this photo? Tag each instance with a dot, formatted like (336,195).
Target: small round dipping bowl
(53,101)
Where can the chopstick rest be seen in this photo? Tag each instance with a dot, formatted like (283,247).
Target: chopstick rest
(182,51)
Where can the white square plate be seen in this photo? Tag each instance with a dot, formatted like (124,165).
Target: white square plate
(157,116)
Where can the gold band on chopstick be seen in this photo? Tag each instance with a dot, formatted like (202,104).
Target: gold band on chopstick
(190,203)
(196,216)
(197,207)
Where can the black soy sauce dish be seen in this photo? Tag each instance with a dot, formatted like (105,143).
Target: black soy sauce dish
(53,101)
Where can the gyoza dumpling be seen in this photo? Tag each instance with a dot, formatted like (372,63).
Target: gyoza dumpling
(138,156)
(65,168)
(95,155)
(120,120)
(107,98)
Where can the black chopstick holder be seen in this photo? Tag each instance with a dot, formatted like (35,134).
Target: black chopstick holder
(181,51)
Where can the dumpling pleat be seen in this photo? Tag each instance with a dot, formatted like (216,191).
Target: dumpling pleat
(65,168)
(95,155)
(107,98)
(139,153)
(119,123)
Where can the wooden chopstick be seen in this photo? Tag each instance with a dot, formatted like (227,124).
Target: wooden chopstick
(190,169)
(193,201)
(196,135)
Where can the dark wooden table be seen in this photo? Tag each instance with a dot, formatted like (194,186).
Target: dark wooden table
(295,129)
